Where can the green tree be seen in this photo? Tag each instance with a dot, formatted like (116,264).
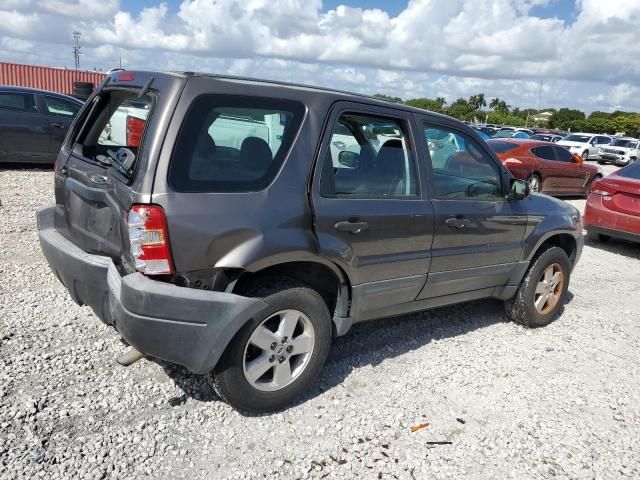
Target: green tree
(460,109)
(566,119)
(387,98)
(435,105)
(476,102)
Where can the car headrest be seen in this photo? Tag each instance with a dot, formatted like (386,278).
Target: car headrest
(256,154)
(205,145)
(390,159)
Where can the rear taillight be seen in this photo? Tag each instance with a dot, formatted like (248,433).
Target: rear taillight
(603,189)
(135,127)
(149,240)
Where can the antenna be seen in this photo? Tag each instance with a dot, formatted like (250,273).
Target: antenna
(77,49)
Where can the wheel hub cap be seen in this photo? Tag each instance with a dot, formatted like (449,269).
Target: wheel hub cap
(549,289)
(278,350)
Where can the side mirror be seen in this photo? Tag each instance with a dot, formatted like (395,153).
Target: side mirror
(349,159)
(593,143)
(577,159)
(520,190)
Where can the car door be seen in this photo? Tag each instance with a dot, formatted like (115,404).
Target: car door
(59,113)
(479,232)
(548,168)
(569,175)
(370,212)
(24,136)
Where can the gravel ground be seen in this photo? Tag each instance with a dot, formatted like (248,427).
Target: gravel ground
(558,402)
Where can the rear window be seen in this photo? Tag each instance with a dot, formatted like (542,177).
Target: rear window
(501,147)
(632,171)
(232,143)
(112,128)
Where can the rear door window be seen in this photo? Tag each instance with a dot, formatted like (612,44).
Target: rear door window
(545,152)
(18,102)
(112,130)
(232,143)
(371,158)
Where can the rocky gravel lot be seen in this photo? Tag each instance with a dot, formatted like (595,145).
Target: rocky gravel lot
(558,402)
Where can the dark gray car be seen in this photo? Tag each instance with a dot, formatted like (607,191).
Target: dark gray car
(245,223)
(33,124)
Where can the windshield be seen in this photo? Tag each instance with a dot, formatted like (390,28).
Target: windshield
(544,138)
(625,143)
(501,147)
(504,134)
(577,138)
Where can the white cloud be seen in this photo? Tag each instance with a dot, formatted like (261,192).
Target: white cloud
(435,48)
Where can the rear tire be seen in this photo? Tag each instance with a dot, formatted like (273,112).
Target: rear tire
(236,378)
(543,290)
(597,237)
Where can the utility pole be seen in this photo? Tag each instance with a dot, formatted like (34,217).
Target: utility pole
(540,96)
(77,49)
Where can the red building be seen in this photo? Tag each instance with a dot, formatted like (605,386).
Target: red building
(47,78)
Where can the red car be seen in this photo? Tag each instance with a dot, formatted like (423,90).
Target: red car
(613,206)
(548,167)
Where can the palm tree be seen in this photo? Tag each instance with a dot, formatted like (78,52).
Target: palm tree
(476,102)
(503,107)
(494,103)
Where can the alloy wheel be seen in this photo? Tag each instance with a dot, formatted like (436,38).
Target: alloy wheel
(278,350)
(549,289)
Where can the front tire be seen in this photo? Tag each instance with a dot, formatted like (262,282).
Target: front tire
(543,290)
(585,155)
(276,356)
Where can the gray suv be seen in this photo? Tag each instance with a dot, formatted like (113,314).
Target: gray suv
(243,224)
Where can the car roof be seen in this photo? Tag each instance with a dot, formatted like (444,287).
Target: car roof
(17,89)
(338,94)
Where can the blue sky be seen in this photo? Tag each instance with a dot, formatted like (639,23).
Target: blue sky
(422,48)
(562,9)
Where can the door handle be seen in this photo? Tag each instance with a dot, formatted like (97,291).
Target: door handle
(456,222)
(352,227)
(56,125)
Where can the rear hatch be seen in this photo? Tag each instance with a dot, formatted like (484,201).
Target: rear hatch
(622,191)
(108,160)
